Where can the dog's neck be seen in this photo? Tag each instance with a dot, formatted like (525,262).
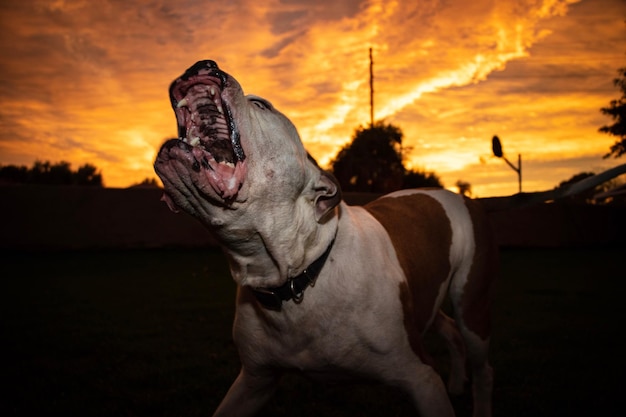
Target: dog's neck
(293,289)
(267,251)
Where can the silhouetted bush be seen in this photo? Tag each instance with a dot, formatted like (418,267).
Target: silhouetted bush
(59,173)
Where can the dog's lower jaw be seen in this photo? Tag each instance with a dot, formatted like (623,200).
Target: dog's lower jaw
(190,171)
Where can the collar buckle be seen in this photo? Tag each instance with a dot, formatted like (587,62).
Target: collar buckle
(296,296)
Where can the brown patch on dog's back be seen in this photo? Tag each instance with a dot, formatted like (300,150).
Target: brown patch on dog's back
(421,235)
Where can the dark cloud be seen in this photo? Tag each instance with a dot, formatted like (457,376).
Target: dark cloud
(292,13)
(287,21)
(275,50)
(292,18)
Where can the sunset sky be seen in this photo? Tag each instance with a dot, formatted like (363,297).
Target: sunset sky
(86,81)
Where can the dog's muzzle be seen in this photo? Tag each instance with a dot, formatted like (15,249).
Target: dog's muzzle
(208,139)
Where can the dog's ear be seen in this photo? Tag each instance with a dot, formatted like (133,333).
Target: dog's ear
(327,194)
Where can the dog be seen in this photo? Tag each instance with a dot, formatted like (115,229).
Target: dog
(325,288)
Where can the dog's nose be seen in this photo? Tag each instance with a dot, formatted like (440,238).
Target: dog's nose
(200,68)
(196,68)
(206,66)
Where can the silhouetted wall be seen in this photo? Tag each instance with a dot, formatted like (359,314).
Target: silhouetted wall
(560,224)
(57,217)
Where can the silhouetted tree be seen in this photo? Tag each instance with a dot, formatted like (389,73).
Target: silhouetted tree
(146,183)
(590,195)
(14,174)
(465,188)
(372,162)
(46,173)
(617,111)
(88,175)
(575,178)
(60,174)
(585,196)
(39,173)
(416,178)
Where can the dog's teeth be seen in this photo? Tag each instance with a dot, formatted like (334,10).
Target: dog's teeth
(194,141)
(219,108)
(182,103)
(212,90)
(228,164)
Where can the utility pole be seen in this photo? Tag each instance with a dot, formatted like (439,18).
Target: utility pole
(371,89)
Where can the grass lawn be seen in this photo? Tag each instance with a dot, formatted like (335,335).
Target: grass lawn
(147,333)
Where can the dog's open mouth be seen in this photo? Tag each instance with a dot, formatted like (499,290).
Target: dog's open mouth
(206,127)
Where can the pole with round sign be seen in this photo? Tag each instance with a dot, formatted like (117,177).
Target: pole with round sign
(496,146)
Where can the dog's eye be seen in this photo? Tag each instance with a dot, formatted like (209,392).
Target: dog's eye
(260,103)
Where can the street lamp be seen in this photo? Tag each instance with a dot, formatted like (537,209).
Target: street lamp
(496,146)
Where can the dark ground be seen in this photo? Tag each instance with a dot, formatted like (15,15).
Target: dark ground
(147,333)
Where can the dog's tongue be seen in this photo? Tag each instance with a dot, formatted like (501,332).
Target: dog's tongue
(224,177)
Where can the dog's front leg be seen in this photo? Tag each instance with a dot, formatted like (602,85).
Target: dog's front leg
(425,387)
(247,394)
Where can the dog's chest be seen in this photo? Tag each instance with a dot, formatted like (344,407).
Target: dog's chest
(352,314)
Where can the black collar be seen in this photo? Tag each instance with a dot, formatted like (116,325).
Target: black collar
(272,298)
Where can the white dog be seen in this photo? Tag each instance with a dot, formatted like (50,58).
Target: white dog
(323,287)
